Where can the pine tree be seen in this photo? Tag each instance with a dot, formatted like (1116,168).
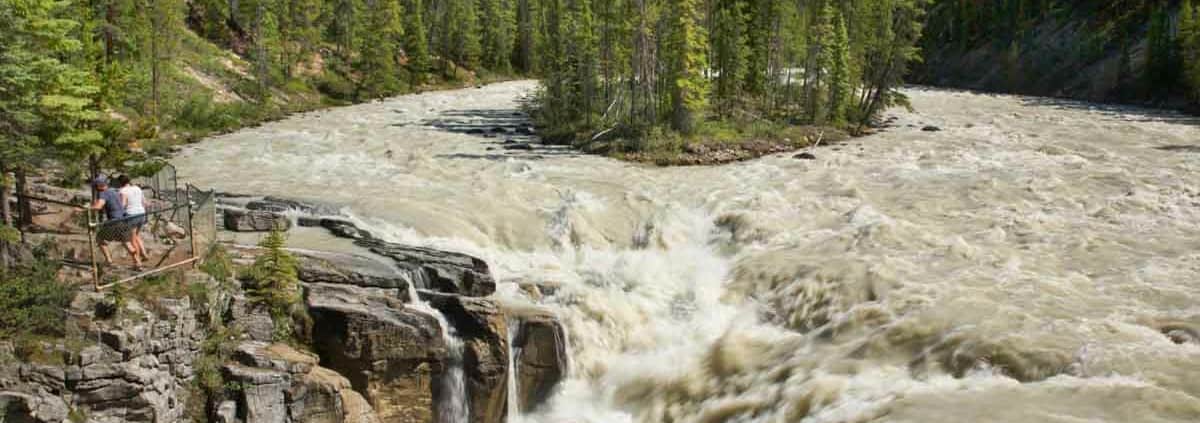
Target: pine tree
(820,93)
(498,27)
(300,31)
(841,91)
(688,44)
(1159,74)
(1189,47)
(47,106)
(526,35)
(461,39)
(162,20)
(582,57)
(416,42)
(276,284)
(729,53)
(758,39)
(381,38)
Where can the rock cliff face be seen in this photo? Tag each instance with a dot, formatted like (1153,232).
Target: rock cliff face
(139,371)
(390,352)
(281,385)
(378,352)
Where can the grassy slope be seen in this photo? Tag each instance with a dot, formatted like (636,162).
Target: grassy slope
(207,90)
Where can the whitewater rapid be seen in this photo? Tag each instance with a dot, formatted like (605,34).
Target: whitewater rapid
(1023,264)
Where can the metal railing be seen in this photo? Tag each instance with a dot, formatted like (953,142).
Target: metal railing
(172,236)
(179,228)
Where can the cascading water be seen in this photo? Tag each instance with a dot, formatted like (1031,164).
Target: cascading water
(1031,262)
(453,405)
(514,353)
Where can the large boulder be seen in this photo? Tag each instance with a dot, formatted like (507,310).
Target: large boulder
(241,220)
(390,352)
(282,385)
(348,269)
(484,331)
(541,360)
(436,270)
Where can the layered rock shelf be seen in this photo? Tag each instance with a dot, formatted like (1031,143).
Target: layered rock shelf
(377,354)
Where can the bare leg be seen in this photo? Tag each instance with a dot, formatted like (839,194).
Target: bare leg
(133,252)
(139,244)
(104,250)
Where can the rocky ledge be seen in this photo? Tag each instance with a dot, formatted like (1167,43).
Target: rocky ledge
(380,322)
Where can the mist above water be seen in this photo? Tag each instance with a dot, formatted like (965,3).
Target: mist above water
(1024,264)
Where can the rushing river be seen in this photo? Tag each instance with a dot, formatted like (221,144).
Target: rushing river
(1030,262)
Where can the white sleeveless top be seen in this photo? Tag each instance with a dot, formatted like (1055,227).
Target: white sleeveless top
(134,200)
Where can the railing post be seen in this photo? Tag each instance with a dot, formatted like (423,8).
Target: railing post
(192,227)
(92,249)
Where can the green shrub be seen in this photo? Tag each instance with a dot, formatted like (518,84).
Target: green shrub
(218,264)
(209,385)
(276,286)
(145,169)
(33,301)
(334,85)
(200,113)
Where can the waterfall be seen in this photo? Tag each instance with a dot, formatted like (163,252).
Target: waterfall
(514,401)
(912,275)
(453,405)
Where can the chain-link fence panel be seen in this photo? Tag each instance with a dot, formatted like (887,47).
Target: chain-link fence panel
(163,185)
(156,240)
(204,220)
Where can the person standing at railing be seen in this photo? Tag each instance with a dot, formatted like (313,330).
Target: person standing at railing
(114,228)
(135,212)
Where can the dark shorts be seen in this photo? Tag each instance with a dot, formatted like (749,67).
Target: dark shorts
(115,231)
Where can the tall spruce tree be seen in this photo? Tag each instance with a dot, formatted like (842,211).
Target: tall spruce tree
(688,84)
(1189,47)
(498,25)
(461,42)
(729,53)
(47,105)
(582,58)
(416,42)
(381,37)
(840,91)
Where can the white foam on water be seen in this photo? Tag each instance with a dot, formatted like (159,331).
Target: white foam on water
(1022,264)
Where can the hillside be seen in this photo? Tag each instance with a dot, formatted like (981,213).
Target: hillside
(1112,51)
